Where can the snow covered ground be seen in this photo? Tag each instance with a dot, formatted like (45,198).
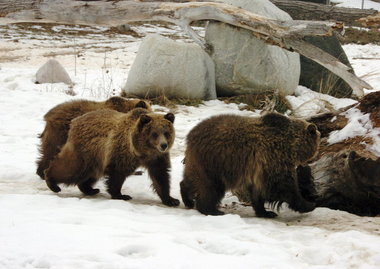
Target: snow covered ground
(41,229)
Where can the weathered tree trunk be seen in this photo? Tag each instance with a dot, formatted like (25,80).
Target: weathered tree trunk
(285,34)
(311,11)
(344,175)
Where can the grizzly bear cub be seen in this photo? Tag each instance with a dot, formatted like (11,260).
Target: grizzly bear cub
(58,121)
(113,144)
(230,152)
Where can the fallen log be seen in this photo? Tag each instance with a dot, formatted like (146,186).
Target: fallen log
(312,11)
(345,180)
(285,34)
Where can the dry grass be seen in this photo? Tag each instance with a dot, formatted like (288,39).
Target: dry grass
(362,37)
(332,85)
(263,101)
(165,101)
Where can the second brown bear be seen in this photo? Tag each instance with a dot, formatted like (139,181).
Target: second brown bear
(58,121)
(231,152)
(113,144)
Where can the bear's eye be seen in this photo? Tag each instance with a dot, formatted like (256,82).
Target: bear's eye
(154,135)
(167,134)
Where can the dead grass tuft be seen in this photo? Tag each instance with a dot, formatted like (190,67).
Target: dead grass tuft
(262,101)
(362,37)
(169,102)
(333,85)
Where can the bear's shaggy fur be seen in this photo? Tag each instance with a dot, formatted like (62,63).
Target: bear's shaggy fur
(230,152)
(58,121)
(113,144)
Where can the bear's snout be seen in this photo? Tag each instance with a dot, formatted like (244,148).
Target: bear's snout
(163,146)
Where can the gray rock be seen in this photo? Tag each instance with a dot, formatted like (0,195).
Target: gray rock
(245,64)
(52,72)
(318,78)
(174,69)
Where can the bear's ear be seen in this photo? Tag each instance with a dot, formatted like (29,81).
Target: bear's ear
(312,129)
(144,119)
(116,102)
(141,104)
(170,117)
(276,120)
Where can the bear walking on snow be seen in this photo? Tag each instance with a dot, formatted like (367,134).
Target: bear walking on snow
(230,152)
(113,144)
(58,121)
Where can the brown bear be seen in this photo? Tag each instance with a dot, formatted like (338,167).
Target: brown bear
(113,144)
(58,121)
(230,152)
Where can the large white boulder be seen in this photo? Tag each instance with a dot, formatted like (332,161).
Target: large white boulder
(174,69)
(52,72)
(245,64)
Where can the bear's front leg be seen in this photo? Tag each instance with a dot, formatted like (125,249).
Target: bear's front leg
(87,187)
(158,170)
(288,191)
(115,182)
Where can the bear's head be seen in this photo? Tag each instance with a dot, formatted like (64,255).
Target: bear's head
(155,134)
(302,136)
(125,105)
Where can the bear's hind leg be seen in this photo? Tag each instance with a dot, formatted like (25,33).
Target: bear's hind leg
(86,187)
(257,202)
(209,196)
(65,168)
(47,155)
(43,161)
(187,193)
(207,203)
(40,171)
(55,174)
(52,184)
(297,203)
(52,139)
